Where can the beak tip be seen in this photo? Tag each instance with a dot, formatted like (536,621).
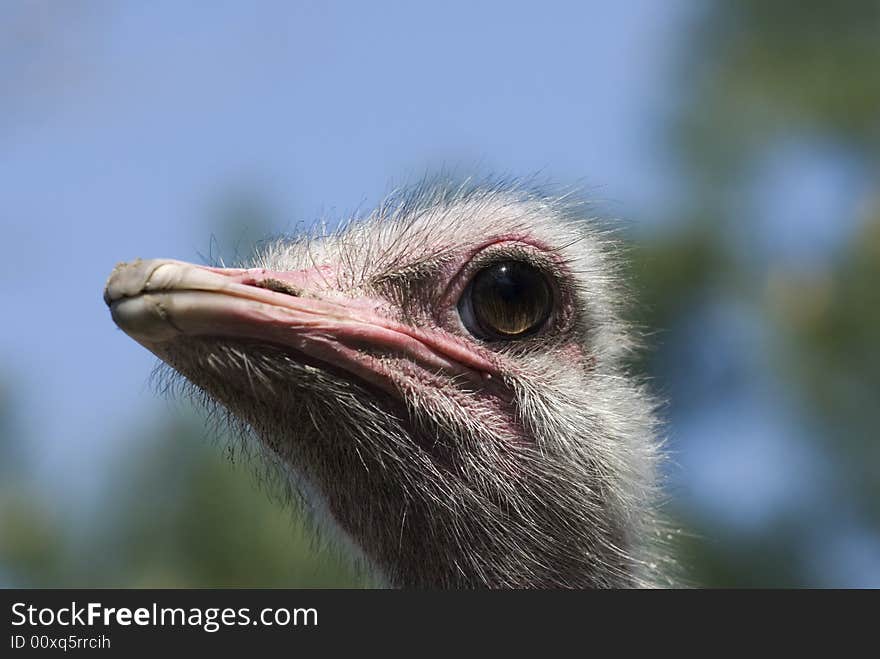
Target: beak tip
(130,279)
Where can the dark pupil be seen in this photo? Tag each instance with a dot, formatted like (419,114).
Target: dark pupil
(511,298)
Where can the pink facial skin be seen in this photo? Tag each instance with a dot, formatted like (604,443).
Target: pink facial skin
(157,301)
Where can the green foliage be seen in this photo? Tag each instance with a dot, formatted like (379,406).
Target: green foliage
(176,514)
(187,517)
(758,72)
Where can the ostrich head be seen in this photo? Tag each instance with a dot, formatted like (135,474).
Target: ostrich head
(442,381)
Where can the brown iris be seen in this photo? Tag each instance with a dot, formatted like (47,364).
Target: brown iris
(506,300)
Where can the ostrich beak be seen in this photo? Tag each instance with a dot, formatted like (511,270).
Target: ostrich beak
(159,301)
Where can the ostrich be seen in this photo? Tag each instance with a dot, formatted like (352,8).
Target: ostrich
(443,382)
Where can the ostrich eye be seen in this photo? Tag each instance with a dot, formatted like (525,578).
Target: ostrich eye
(506,300)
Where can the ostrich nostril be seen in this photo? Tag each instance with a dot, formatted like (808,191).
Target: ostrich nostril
(279,286)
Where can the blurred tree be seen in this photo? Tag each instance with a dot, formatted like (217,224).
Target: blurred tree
(190,518)
(756,75)
(33,548)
